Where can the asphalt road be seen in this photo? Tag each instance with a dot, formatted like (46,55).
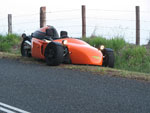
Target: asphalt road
(38,88)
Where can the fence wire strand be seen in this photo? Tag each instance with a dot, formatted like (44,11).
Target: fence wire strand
(75,22)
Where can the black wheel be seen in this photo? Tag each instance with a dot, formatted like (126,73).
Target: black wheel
(25,49)
(109,59)
(54,54)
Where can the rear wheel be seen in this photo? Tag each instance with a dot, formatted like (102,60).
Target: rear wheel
(109,59)
(54,54)
(25,49)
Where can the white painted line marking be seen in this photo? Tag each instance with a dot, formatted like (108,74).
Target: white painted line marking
(6,110)
(13,108)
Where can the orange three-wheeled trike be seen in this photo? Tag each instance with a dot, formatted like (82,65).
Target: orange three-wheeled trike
(46,44)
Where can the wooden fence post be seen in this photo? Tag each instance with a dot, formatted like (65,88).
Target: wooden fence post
(42,16)
(137,25)
(9,24)
(83,21)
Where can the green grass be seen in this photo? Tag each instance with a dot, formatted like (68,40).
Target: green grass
(133,58)
(115,43)
(9,42)
(127,56)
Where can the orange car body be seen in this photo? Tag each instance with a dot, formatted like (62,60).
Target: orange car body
(80,52)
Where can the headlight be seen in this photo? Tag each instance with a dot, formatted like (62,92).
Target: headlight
(102,47)
(64,42)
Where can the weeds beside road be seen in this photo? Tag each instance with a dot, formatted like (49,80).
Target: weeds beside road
(10,43)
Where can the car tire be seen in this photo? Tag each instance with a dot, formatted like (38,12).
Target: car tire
(54,54)
(25,52)
(109,59)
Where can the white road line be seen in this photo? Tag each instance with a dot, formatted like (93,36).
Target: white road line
(6,110)
(13,108)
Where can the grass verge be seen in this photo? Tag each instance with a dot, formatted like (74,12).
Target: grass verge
(10,43)
(109,72)
(84,68)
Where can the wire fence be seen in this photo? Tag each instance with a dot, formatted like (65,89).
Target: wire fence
(99,22)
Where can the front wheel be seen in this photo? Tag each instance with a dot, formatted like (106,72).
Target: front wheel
(109,59)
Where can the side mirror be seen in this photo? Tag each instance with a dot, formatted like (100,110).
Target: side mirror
(64,34)
(49,32)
